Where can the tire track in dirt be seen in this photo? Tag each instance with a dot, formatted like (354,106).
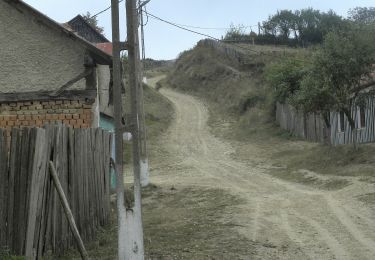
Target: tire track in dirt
(366,242)
(293,235)
(312,219)
(325,236)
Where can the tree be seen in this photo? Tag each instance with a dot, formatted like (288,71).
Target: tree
(235,33)
(285,77)
(309,25)
(365,15)
(340,71)
(331,22)
(284,21)
(270,26)
(93,21)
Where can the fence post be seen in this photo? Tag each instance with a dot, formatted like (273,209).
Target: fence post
(68,212)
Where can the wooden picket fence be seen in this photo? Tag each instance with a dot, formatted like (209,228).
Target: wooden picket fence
(307,126)
(32,220)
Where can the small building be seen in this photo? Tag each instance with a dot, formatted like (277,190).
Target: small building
(50,73)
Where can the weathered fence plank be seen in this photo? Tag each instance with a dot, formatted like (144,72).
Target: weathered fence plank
(68,212)
(38,175)
(3,188)
(310,126)
(13,170)
(31,214)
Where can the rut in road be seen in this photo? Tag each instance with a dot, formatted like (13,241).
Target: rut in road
(287,220)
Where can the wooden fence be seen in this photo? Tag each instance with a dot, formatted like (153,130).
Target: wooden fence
(310,127)
(225,49)
(32,220)
(363,134)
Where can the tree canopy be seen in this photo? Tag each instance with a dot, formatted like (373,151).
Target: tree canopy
(364,15)
(301,27)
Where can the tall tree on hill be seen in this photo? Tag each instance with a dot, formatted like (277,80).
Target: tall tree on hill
(284,21)
(309,25)
(235,32)
(93,21)
(331,22)
(270,26)
(365,15)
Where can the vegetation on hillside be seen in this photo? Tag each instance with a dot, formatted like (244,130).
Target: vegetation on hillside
(303,27)
(203,71)
(333,79)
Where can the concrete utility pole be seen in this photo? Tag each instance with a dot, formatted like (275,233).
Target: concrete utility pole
(117,100)
(145,172)
(134,246)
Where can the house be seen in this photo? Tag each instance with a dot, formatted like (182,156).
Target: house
(82,28)
(50,73)
(85,30)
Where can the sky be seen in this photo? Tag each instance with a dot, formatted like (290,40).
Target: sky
(166,42)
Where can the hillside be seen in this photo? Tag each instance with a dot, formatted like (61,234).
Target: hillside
(220,78)
(230,81)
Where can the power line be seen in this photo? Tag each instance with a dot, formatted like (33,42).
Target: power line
(184,27)
(209,36)
(195,32)
(178,26)
(215,28)
(105,10)
(109,7)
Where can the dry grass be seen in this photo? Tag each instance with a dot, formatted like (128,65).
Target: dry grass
(190,223)
(186,223)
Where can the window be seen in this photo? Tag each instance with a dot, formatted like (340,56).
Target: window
(362,117)
(341,122)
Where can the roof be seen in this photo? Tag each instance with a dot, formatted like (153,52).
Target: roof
(100,56)
(79,18)
(106,47)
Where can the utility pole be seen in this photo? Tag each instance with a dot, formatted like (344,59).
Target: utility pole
(259,29)
(134,246)
(145,172)
(117,100)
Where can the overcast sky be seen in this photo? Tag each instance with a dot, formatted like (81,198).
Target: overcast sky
(166,42)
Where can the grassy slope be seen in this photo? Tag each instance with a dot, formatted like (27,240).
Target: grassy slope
(158,114)
(241,110)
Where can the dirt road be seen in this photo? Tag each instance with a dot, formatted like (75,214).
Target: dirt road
(283,220)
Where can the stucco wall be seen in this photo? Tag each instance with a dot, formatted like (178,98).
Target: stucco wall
(104,78)
(34,56)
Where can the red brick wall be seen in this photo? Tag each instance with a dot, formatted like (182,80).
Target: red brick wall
(77,114)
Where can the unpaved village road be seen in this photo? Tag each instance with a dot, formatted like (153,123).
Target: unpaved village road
(286,220)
